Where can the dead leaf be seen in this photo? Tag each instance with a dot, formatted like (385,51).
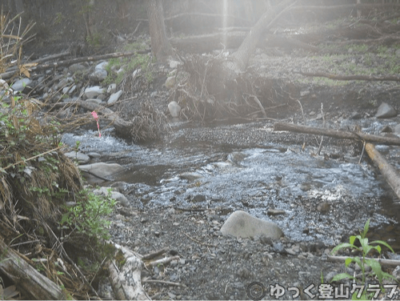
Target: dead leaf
(25,71)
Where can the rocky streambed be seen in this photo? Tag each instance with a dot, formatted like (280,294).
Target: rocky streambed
(180,192)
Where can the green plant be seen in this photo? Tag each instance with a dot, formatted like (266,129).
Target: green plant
(59,18)
(87,215)
(138,61)
(365,248)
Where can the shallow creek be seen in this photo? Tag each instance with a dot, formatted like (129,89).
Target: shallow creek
(309,197)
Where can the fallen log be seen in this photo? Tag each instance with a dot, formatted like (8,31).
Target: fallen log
(280,126)
(27,280)
(390,174)
(387,262)
(351,77)
(126,280)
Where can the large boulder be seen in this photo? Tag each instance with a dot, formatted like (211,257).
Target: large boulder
(385,111)
(242,224)
(102,169)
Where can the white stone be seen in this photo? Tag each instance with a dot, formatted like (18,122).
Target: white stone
(242,224)
(102,169)
(174,109)
(98,75)
(101,66)
(136,72)
(91,92)
(112,88)
(173,64)
(119,197)
(20,84)
(385,111)
(114,97)
(170,82)
(76,67)
(80,157)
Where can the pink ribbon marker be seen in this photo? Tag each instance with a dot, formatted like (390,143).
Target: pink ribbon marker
(94,114)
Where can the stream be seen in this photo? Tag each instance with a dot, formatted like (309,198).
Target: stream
(310,197)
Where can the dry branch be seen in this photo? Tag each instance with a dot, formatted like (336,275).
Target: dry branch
(28,281)
(351,77)
(336,134)
(390,174)
(387,262)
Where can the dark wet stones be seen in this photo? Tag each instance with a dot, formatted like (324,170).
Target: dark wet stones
(273,212)
(198,198)
(324,207)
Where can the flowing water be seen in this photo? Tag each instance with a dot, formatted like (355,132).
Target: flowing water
(309,197)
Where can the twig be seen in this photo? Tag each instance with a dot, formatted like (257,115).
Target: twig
(322,137)
(362,153)
(163,260)
(154,254)
(98,269)
(34,157)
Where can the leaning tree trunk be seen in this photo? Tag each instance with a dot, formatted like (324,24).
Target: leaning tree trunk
(160,46)
(241,56)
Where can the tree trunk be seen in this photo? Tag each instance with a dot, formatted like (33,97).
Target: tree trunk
(241,56)
(160,46)
(28,281)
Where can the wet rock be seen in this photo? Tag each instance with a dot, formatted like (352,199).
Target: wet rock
(199,198)
(21,84)
(355,115)
(102,169)
(98,75)
(242,224)
(385,111)
(114,97)
(324,207)
(383,149)
(91,92)
(94,155)
(174,109)
(76,67)
(275,212)
(386,129)
(80,157)
(397,129)
(191,176)
(278,247)
(236,157)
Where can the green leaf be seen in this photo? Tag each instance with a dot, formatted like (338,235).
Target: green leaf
(348,261)
(352,239)
(378,248)
(376,267)
(342,246)
(341,276)
(364,243)
(366,227)
(381,242)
